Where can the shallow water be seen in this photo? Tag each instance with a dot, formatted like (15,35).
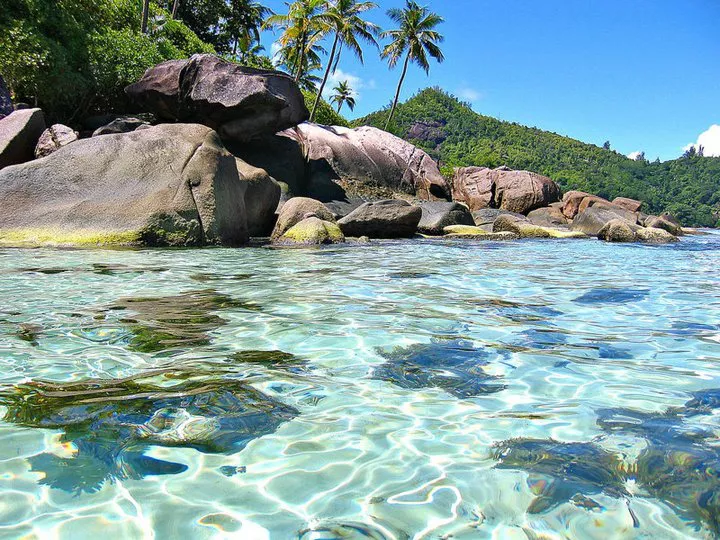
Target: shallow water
(394,390)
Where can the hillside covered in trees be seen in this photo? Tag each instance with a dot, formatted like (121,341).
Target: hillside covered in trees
(454,134)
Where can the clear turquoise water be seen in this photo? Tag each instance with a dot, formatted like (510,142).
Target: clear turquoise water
(410,361)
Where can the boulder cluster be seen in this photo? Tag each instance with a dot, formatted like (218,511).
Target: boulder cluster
(222,153)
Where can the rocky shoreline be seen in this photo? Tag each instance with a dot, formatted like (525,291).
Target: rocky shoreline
(229,156)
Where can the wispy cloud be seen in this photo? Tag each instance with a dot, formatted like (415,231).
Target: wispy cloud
(634,155)
(469,94)
(709,140)
(355,82)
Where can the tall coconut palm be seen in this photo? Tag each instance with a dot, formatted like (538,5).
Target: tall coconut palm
(347,24)
(303,26)
(415,39)
(343,95)
(244,21)
(145,13)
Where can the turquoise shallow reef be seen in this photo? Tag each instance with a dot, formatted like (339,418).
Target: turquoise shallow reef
(429,389)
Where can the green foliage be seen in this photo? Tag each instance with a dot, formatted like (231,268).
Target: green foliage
(74,57)
(453,133)
(325,114)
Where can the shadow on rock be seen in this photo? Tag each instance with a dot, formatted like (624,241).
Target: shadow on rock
(109,424)
(453,365)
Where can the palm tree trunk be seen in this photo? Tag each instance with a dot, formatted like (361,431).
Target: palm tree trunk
(340,104)
(300,59)
(176,4)
(397,94)
(145,12)
(325,78)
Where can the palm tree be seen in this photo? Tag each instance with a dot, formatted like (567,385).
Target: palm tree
(311,63)
(303,26)
(145,13)
(244,23)
(343,94)
(346,23)
(416,37)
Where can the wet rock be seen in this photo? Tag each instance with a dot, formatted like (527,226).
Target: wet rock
(241,103)
(167,185)
(278,360)
(382,219)
(657,222)
(455,366)
(438,215)
(110,424)
(652,235)
(295,210)
(630,205)
(618,230)
(368,161)
(6,105)
(515,191)
(547,217)
(54,138)
(120,125)
(313,231)
(19,134)
(560,472)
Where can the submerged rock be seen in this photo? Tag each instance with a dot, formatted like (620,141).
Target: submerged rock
(455,366)
(239,102)
(110,424)
(19,134)
(562,472)
(612,295)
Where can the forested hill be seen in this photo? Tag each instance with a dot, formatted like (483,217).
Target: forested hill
(453,133)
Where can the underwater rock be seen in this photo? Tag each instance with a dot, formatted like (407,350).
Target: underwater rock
(168,322)
(110,424)
(452,365)
(610,295)
(271,359)
(560,472)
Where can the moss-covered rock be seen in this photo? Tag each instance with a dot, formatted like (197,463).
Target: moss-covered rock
(297,209)
(313,231)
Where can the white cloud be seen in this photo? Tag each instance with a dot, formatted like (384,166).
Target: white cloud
(274,49)
(634,155)
(469,94)
(355,82)
(709,140)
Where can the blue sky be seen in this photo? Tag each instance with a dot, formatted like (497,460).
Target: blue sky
(643,74)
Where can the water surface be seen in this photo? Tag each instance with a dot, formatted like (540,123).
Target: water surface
(535,389)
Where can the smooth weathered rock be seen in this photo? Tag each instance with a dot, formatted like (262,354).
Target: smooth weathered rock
(618,230)
(120,125)
(6,105)
(525,229)
(661,222)
(623,213)
(652,235)
(368,161)
(382,219)
(438,215)
(629,204)
(591,200)
(262,194)
(671,218)
(547,217)
(295,210)
(167,185)
(241,103)
(571,203)
(19,134)
(54,138)
(485,217)
(515,191)
(594,218)
(313,231)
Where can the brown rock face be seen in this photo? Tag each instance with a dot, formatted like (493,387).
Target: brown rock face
(515,191)
(241,103)
(369,157)
(591,200)
(53,138)
(382,219)
(571,203)
(19,134)
(629,204)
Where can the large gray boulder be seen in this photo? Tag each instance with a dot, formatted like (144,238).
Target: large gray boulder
(594,218)
(368,161)
(6,106)
(262,194)
(663,222)
(53,138)
(548,217)
(438,215)
(19,134)
(296,210)
(382,219)
(485,217)
(167,185)
(619,230)
(241,103)
(515,191)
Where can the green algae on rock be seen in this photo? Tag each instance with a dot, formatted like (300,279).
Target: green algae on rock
(110,424)
(313,231)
